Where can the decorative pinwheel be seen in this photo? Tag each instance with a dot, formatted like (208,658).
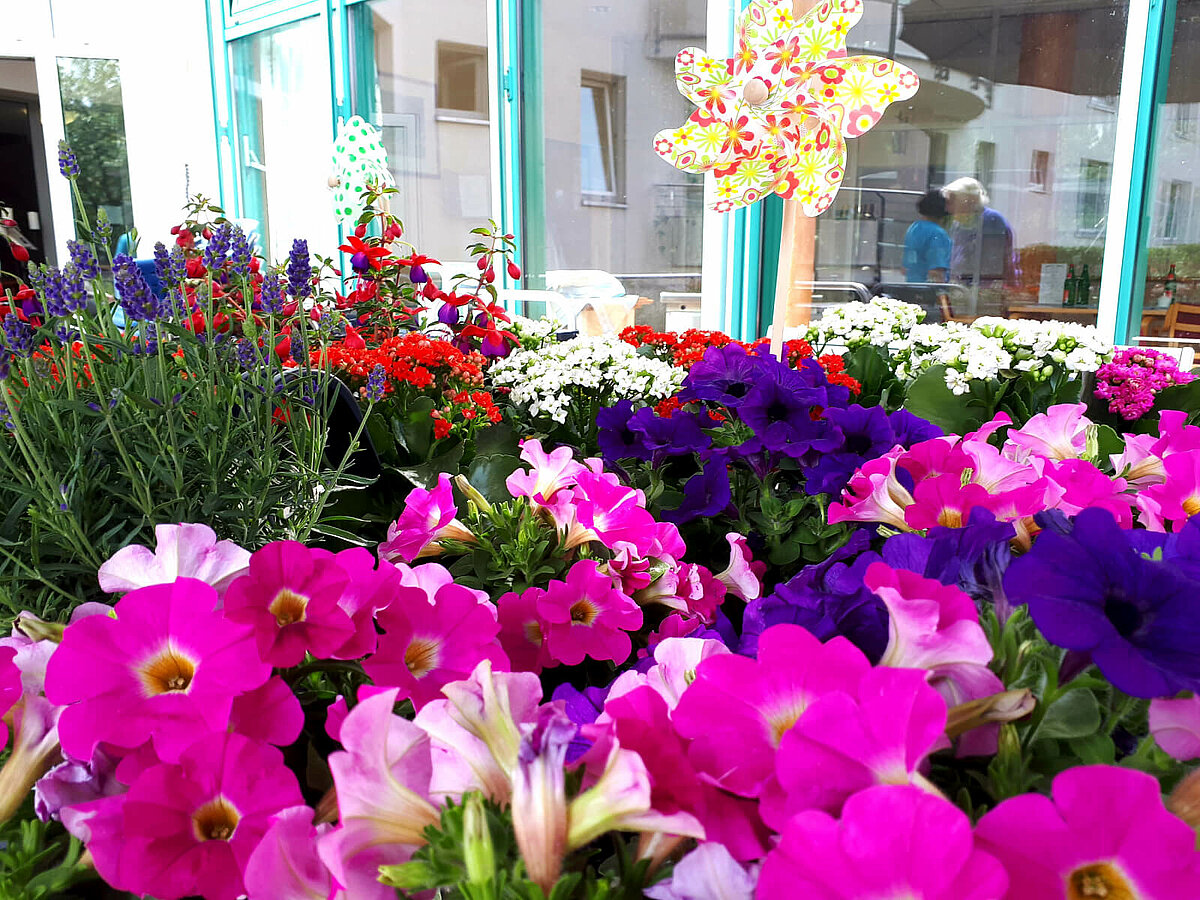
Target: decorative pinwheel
(359,160)
(774,118)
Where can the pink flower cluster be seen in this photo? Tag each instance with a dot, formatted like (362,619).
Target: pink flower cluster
(1040,466)
(1134,377)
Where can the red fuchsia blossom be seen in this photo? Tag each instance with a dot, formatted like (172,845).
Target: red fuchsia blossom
(291,598)
(587,616)
(434,632)
(166,668)
(1103,832)
(190,827)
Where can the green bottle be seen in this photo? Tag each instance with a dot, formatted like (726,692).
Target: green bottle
(1083,293)
(1069,287)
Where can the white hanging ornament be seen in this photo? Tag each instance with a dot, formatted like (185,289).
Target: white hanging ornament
(359,161)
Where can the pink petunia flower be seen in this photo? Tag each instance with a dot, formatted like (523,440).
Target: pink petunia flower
(435,632)
(944,500)
(522,630)
(369,589)
(1177,499)
(587,616)
(1058,433)
(270,713)
(382,780)
(738,709)
(550,473)
(674,669)
(740,577)
(874,494)
(890,842)
(180,551)
(1175,725)
(291,598)
(844,743)
(612,513)
(1103,832)
(1084,486)
(189,828)
(10,688)
(707,873)
(426,515)
(283,865)
(167,668)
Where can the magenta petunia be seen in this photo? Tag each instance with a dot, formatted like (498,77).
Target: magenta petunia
(737,710)
(1175,725)
(166,668)
(522,630)
(369,588)
(10,688)
(291,598)
(189,828)
(1103,832)
(180,551)
(382,781)
(1170,504)
(550,473)
(425,514)
(612,513)
(1057,434)
(875,494)
(586,616)
(284,866)
(880,734)
(270,713)
(435,632)
(891,842)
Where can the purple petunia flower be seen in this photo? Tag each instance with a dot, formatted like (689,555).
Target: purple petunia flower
(910,429)
(724,375)
(866,434)
(784,411)
(679,435)
(705,494)
(616,439)
(1093,592)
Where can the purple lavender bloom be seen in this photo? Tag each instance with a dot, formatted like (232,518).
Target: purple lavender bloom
(217,248)
(247,353)
(829,599)
(376,383)
(724,375)
(705,494)
(272,293)
(84,260)
(162,264)
(103,230)
(68,163)
(239,253)
(299,349)
(75,294)
(1093,592)
(133,291)
(299,270)
(780,409)
(18,335)
(866,434)
(54,292)
(616,439)
(679,435)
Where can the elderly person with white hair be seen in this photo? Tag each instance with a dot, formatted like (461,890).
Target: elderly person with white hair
(982,253)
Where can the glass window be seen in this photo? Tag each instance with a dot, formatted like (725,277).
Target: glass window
(1172,263)
(430,99)
(94,120)
(284,136)
(1015,124)
(613,233)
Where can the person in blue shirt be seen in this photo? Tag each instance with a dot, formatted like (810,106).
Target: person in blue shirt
(927,245)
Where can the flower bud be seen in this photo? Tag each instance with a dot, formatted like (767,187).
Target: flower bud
(478,852)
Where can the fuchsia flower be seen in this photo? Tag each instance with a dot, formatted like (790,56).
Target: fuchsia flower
(737,710)
(1177,498)
(1059,433)
(382,781)
(846,742)
(1175,725)
(10,688)
(934,627)
(587,616)
(1103,832)
(891,842)
(180,551)
(426,515)
(167,669)
(291,598)
(435,632)
(284,867)
(189,828)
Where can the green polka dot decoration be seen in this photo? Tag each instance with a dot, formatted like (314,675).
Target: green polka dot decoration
(358,158)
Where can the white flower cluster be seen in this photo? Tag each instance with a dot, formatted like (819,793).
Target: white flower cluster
(550,379)
(990,346)
(878,323)
(534,333)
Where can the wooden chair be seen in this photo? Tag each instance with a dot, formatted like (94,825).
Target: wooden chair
(1183,321)
(948,311)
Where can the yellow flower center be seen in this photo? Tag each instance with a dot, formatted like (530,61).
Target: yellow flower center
(421,657)
(216,820)
(288,608)
(584,612)
(169,672)
(1191,506)
(950,518)
(1100,881)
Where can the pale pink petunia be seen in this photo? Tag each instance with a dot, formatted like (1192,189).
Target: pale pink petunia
(550,473)
(1175,725)
(435,632)
(1059,433)
(874,494)
(284,867)
(739,576)
(891,842)
(844,743)
(706,873)
(737,710)
(675,663)
(382,780)
(586,616)
(539,796)
(425,515)
(188,829)
(166,668)
(1104,831)
(291,597)
(180,551)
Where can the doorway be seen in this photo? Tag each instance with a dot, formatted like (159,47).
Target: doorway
(23,185)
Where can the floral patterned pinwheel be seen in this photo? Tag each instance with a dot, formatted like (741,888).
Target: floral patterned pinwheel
(774,118)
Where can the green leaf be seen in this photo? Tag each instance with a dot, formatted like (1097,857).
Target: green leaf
(487,475)
(1074,715)
(929,398)
(1185,397)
